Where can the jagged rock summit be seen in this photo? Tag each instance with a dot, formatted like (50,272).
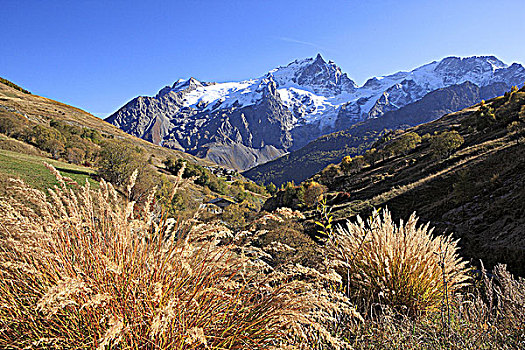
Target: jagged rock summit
(242,124)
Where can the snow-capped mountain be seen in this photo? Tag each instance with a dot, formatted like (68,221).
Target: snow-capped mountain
(311,89)
(241,124)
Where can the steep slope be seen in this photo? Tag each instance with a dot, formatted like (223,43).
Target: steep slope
(242,124)
(305,162)
(475,191)
(34,130)
(18,102)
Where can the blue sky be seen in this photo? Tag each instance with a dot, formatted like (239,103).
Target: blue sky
(97,55)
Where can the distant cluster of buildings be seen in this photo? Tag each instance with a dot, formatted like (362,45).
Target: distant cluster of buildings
(228,174)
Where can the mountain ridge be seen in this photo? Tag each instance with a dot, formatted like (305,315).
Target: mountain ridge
(299,165)
(289,106)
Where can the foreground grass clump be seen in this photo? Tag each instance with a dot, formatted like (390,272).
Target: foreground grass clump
(403,266)
(487,315)
(81,270)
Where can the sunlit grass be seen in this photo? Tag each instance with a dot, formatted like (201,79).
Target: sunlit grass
(81,269)
(32,170)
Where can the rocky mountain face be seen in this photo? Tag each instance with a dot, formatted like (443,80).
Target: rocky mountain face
(242,124)
(300,164)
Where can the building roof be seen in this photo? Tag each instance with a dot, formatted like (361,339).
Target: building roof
(222,202)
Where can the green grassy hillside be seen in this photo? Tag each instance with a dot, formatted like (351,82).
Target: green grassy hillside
(31,169)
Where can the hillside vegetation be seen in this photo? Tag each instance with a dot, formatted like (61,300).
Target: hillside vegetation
(33,109)
(464,173)
(92,269)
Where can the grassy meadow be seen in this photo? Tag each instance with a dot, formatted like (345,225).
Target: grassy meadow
(32,170)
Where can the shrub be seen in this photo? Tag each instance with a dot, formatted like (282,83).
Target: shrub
(403,144)
(235,215)
(75,155)
(271,188)
(485,117)
(372,156)
(9,125)
(84,271)
(47,139)
(175,198)
(346,164)
(313,193)
(443,144)
(255,188)
(330,172)
(402,266)
(174,165)
(350,165)
(117,161)
(92,135)
(201,175)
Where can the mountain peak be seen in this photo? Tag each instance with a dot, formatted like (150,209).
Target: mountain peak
(486,63)
(182,84)
(315,75)
(309,96)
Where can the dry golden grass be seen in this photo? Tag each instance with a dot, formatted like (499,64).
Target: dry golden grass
(489,315)
(403,265)
(79,269)
(86,269)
